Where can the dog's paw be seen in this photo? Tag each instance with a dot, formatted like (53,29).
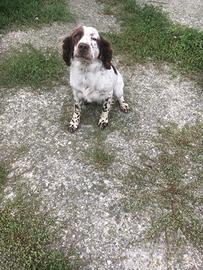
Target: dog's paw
(103,123)
(72,127)
(124,107)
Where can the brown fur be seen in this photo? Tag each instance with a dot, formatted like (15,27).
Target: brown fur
(69,43)
(104,46)
(105,52)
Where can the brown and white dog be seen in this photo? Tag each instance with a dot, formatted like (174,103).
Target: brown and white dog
(93,78)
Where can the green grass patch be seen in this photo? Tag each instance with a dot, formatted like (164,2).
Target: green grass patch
(100,157)
(31,67)
(147,34)
(97,154)
(3,174)
(108,10)
(26,242)
(169,185)
(35,12)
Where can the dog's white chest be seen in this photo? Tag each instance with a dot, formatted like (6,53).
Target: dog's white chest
(90,86)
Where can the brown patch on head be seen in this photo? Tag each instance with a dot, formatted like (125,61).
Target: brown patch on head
(106,52)
(70,42)
(77,34)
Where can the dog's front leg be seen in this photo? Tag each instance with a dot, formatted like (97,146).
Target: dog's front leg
(103,121)
(75,121)
(123,105)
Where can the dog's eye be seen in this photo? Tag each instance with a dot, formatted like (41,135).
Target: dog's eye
(93,38)
(76,35)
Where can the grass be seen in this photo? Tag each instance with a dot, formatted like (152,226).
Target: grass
(3,174)
(35,12)
(31,67)
(97,154)
(100,157)
(28,237)
(168,186)
(147,34)
(26,243)
(107,10)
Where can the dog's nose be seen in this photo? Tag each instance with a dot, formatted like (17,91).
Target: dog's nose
(83,47)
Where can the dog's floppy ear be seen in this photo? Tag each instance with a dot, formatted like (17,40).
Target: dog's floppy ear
(68,50)
(105,52)
(69,43)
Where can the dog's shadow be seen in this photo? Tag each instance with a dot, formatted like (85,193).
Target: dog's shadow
(66,111)
(89,115)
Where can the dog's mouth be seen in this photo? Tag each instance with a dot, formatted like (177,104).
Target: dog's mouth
(83,56)
(83,52)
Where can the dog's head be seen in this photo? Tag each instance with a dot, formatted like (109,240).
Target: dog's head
(86,44)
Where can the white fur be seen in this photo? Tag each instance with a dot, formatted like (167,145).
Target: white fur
(91,81)
(89,37)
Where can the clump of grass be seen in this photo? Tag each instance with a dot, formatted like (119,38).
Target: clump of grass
(169,185)
(100,157)
(31,67)
(3,174)
(97,153)
(147,34)
(35,12)
(26,242)
(107,10)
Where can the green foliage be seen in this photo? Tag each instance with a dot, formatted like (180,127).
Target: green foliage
(147,34)
(168,185)
(31,67)
(35,12)
(25,241)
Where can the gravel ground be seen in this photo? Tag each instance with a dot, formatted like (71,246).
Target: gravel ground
(83,197)
(185,12)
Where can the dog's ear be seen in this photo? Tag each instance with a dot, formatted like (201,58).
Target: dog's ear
(68,50)
(105,52)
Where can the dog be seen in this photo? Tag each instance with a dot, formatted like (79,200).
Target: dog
(93,78)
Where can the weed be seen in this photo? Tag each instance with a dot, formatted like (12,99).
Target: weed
(169,185)
(100,157)
(107,10)
(25,241)
(35,12)
(98,154)
(31,67)
(3,174)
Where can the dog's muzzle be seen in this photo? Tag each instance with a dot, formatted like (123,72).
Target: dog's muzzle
(83,47)
(83,51)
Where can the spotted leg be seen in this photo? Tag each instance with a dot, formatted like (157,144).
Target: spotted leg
(123,105)
(103,121)
(75,121)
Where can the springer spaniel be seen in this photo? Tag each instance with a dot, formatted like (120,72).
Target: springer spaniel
(93,78)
